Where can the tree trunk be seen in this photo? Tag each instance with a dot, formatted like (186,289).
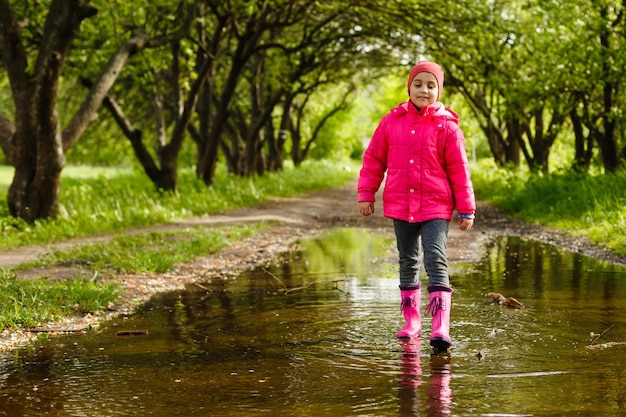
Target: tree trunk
(34,192)
(164,174)
(38,152)
(607,141)
(609,150)
(583,145)
(275,143)
(496,144)
(7,130)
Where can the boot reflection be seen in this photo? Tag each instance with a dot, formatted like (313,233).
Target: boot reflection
(410,377)
(439,391)
(411,367)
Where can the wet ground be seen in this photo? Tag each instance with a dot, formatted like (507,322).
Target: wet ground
(314,335)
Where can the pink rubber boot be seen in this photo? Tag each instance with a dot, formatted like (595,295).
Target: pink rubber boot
(439,307)
(410,308)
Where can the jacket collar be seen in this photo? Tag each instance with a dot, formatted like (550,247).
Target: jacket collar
(436,107)
(433,110)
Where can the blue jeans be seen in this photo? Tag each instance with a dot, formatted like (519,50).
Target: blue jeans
(425,241)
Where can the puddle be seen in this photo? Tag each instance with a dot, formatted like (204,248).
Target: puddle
(315,336)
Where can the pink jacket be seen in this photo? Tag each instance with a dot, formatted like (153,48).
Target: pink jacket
(423,154)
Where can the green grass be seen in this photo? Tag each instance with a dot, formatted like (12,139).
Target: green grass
(6,176)
(107,203)
(580,203)
(151,252)
(29,303)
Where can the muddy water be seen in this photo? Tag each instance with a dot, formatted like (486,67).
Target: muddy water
(315,336)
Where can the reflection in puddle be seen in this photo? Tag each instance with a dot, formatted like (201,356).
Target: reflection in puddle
(315,336)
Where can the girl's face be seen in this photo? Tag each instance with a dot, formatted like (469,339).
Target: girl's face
(424,89)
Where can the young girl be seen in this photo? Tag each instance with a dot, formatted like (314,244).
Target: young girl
(421,148)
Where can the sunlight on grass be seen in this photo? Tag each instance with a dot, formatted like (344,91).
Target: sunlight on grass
(108,201)
(579,203)
(31,303)
(91,172)
(6,176)
(151,252)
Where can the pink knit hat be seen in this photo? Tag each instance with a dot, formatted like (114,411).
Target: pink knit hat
(427,66)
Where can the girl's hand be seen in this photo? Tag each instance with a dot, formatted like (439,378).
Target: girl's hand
(466,224)
(366,208)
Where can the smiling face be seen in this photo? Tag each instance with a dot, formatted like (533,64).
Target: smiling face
(424,89)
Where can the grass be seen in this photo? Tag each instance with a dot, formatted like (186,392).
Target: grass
(6,175)
(107,204)
(29,303)
(96,202)
(151,252)
(109,201)
(590,205)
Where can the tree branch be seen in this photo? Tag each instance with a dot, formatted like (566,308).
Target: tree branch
(89,108)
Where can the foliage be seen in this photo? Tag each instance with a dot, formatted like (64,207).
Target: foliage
(542,82)
(340,136)
(122,199)
(535,73)
(581,203)
(31,303)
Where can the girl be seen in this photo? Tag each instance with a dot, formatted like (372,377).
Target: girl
(421,148)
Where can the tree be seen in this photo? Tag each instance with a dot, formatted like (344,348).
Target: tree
(537,96)
(599,94)
(167,97)
(37,142)
(239,77)
(525,68)
(272,52)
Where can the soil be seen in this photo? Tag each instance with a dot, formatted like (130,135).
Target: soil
(291,219)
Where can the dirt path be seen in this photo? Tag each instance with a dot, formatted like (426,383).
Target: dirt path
(324,209)
(335,208)
(291,219)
